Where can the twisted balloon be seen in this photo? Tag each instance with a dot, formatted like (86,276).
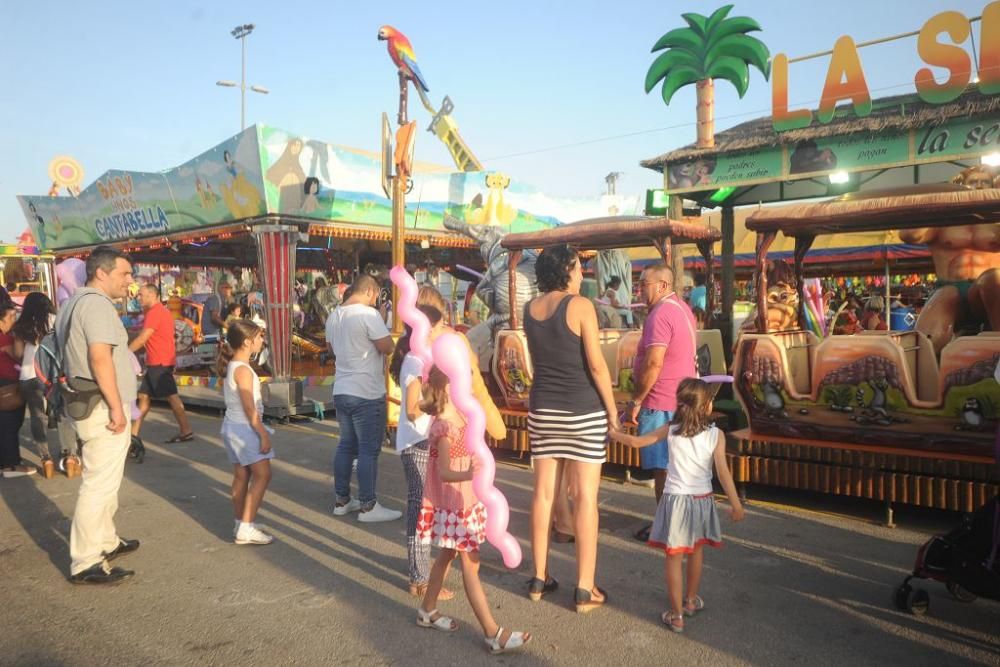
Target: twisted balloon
(408,311)
(450,354)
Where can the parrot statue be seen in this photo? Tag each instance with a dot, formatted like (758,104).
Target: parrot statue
(402,54)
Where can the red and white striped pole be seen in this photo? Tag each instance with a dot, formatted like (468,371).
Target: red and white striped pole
(276,245)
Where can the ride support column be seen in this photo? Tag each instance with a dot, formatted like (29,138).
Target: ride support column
(276,247)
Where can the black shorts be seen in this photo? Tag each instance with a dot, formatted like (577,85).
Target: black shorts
(158,382)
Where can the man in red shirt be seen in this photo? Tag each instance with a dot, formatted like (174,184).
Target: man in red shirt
(157,337)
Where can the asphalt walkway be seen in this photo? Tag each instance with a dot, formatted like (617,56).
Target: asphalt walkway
(804,585)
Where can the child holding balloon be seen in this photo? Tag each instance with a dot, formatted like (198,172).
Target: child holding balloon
(686,518)
(453,519)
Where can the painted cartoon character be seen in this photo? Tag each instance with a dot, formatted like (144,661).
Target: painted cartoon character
(774,403)
(241,197)
(495,211)
(311,189)
(782,300)
(40,229)
(972,415)
(286,174)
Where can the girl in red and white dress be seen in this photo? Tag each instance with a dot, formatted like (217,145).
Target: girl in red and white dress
(454,520)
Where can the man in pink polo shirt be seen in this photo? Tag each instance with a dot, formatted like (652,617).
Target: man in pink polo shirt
(665,356)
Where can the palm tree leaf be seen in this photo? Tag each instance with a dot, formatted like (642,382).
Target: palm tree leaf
(732,26)
(681,38)
(749,49)
(717,17)
(732,69)
(697,22)
(668,61)
(679,77)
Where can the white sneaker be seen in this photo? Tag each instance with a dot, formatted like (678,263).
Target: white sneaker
(378,513)
(252,535)
(19,471)
(353,505)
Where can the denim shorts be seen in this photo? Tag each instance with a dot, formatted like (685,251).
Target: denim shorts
(656,456)
(243,444)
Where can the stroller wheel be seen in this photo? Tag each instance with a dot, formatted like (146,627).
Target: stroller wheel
(959,593)
(918,601)
(900,595)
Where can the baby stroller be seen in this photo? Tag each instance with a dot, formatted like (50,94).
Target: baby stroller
(966,560)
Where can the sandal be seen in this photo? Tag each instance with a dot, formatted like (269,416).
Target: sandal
(673,621)
(515,641)
(693,605)
(539,587)
(420,590)
(181,437)
(425,619)
(585,600)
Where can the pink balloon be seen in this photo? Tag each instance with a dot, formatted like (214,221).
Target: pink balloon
(71,274)
(410,314)
(452,357)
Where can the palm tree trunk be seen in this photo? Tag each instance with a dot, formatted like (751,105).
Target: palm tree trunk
(706,113)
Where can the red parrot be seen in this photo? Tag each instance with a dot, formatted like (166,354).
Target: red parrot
(402,54)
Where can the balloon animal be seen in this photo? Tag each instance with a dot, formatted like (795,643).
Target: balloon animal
(449,353)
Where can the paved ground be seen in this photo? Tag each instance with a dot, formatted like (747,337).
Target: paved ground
(809,585)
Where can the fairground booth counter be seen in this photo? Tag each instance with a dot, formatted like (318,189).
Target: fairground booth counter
(266,206)
(897,416)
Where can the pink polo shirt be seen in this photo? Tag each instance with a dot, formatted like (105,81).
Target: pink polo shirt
(671,324)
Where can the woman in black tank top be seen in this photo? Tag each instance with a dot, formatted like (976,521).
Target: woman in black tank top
(570,408)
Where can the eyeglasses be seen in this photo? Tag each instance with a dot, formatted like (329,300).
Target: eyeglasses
(643,283)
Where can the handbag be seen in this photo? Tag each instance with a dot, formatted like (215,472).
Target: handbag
(11,397)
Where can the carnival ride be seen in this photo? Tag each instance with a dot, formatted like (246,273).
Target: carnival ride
(886,392)
(510,366)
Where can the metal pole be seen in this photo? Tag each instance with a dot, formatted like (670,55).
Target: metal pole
(398,247)
(243,85)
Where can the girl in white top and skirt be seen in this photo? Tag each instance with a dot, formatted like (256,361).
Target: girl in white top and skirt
(247,440)
(686,518)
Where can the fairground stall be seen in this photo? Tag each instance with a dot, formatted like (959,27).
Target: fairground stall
(267,206)
(927,397)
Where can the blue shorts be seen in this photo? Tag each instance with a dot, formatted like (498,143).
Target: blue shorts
(655,456)
(243,444)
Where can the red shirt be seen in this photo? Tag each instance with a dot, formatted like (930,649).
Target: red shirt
(670,324)
(160,347)
(8,367)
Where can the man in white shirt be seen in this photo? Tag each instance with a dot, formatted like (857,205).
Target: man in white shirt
(359,340)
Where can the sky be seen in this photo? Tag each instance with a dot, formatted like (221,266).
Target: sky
(551,93)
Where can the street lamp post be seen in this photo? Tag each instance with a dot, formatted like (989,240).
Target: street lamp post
(240,32)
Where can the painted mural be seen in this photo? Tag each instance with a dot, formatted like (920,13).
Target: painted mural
(218,186)
(265,170)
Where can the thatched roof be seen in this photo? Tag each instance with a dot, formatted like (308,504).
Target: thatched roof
(614,232)
(897,113)
(942,204)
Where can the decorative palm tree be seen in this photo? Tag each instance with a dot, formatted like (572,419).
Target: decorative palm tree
(713,47)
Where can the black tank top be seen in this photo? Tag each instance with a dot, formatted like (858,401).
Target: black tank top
(562,379)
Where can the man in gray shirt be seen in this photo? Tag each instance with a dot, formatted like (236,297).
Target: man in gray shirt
(96,349)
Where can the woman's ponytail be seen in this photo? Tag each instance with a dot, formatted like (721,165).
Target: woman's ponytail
(225,356)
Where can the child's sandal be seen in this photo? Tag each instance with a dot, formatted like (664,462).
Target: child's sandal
(673,621)
(693,605)
(425,619)
(515,641)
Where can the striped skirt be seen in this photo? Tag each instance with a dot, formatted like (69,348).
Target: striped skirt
(560,434)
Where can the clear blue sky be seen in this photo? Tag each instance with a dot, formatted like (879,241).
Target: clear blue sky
(127,85)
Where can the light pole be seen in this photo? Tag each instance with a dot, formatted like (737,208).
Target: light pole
(240,32)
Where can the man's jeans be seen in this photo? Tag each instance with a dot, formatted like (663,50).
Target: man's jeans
(362,430)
